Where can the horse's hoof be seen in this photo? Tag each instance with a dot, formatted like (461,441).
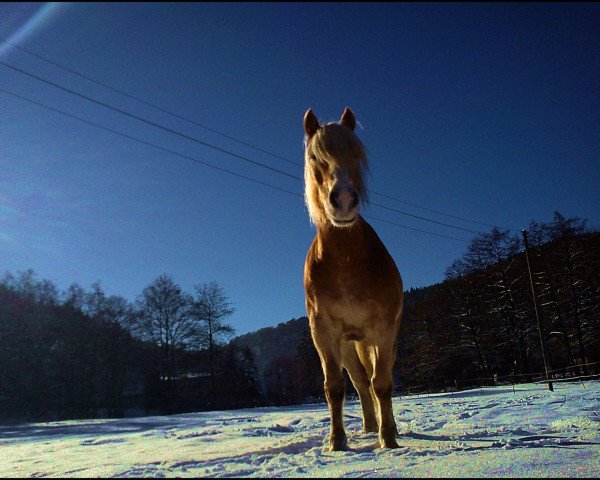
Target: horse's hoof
(370,426)
(389,443)
(337,444)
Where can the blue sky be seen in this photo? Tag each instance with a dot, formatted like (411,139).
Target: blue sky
(488,112)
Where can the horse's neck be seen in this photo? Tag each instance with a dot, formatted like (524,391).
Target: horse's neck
(340,244)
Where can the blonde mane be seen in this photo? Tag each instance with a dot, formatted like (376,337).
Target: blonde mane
(335,144)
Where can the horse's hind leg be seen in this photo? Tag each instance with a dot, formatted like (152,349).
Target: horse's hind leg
(361,381)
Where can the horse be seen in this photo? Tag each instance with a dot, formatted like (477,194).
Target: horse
(353,289)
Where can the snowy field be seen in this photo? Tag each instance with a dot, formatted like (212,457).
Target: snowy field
(489,432)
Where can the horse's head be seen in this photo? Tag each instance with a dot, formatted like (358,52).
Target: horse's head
(334,164)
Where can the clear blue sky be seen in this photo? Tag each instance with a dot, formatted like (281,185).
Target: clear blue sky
(489,112)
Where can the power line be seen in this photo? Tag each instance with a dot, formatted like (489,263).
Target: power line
(425,219)
(136,117)
(157,125)
(193,122)
(442,213)
(416,229)
(133,97)
(158,147)
(201,162)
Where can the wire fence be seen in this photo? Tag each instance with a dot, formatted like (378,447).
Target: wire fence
(573,373)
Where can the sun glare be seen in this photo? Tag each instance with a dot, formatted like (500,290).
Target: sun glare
(20,22)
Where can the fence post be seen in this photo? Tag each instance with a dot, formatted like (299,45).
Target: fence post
(537,317)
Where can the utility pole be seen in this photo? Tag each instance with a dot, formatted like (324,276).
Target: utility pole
(537,317)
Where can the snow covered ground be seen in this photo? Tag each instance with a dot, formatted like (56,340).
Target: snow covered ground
(487,432)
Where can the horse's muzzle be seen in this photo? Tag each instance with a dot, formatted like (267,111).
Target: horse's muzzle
(343,203)
(343,199)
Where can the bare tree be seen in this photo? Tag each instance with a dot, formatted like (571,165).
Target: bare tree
(74,296)
(27,285)
(211,307)
(493,258)
(466,310)
(164,318)
(579,286)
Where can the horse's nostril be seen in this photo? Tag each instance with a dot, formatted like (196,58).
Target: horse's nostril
(333,198)
(344,198)
(354,199)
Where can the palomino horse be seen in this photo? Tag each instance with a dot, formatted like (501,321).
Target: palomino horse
(353,289)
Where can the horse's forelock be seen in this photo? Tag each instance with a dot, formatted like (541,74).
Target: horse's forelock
(330,143)
(333,140)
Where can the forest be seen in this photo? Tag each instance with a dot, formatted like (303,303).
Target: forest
(483,324)
(83,354)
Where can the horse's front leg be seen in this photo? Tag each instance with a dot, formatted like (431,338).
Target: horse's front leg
(334,386)
(382,387)
(335,391)
(361,379)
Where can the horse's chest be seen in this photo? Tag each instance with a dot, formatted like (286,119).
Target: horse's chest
(341,277)
(347,276)
(351,279)
(348,289)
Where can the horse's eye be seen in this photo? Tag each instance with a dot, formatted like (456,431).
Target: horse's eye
(318,177)
(319,162)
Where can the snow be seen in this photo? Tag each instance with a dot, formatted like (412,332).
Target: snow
(488,432)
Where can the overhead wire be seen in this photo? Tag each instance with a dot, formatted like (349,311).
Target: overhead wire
(424,219)
(195,123)
(136,117)
(201,162)
(416,229)
(443,213)
(144,142)
(148,122)
(148,104)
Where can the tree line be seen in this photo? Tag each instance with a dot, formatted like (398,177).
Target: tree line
(78,353)
(481,321)
(479,325)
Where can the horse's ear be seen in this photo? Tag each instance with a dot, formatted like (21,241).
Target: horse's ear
(311,124)
(348,119)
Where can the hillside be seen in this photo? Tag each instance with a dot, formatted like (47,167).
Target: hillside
(282,341)
(271,343)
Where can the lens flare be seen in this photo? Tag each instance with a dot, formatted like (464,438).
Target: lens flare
(20,20)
